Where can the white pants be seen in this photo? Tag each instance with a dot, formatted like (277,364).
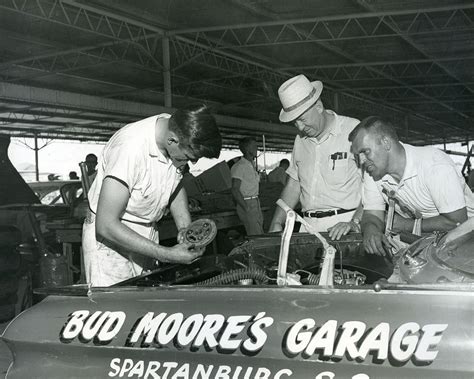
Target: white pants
(322,224)
(106,264)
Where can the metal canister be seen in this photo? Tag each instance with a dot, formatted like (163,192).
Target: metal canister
(54,271)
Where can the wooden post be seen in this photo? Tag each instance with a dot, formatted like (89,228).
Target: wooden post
(36,157)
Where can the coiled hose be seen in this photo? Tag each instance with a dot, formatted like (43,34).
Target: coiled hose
(313,279)
(257,275)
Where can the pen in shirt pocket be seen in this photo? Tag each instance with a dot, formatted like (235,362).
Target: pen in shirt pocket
(337,156)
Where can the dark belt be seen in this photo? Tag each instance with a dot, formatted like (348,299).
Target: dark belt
(321,214)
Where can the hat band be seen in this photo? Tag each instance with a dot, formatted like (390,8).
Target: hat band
(301,102)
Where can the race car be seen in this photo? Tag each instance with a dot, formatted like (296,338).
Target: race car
(264,312)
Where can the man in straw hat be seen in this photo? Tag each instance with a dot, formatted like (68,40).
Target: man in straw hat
(323,174)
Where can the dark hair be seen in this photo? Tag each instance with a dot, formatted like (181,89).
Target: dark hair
(197,131)
(245,142)
(284,162)
(376,125)
(91,156)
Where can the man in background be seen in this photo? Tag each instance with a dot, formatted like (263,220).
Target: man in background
(278,174)
(245,186)
(91,164)
(73,175)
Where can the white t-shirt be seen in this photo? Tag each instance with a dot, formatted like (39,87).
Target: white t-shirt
(245,171)
(431,184)
(132,157)
(327,183)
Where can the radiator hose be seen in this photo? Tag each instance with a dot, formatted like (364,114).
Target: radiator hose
(258,275)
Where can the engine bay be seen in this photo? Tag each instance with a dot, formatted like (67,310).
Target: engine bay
(427,261)
(255,262)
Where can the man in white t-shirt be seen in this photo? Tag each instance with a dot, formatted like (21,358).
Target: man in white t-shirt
(139,170)
(245,184)
(423,180)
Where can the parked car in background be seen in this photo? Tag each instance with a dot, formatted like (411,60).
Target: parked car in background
(27,247)
(57,192)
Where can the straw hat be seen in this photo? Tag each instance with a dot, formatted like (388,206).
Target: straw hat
(297,95)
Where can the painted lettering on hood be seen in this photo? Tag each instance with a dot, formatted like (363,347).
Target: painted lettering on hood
(214,331)
(353,339)
(249,333)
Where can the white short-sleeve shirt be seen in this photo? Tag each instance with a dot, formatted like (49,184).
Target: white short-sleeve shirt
(132,157)
(245,171)
(431,184)
(327,183)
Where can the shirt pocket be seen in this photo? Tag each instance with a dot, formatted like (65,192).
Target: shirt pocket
(336,171)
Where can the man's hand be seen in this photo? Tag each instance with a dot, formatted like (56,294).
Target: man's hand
(184,253)
(375,241)
(341,229)
(181,237)
(275,228)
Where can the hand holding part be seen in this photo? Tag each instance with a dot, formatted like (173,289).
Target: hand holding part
(184,253)
(200,233)
(181,237)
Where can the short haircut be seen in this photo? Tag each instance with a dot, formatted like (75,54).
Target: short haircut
(284,162)
(91,156)
(375,125)
(245,142)
(197,131)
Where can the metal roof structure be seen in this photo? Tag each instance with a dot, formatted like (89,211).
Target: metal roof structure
(76,69)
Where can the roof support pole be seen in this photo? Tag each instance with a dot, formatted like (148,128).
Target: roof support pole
(264,154)
(166,71)
(36,157)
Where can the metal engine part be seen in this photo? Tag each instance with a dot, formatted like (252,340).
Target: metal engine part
(201,232)
(431,260)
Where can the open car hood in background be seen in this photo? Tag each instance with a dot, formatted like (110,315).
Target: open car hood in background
(13,188)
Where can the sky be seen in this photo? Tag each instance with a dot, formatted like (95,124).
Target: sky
(60,157)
